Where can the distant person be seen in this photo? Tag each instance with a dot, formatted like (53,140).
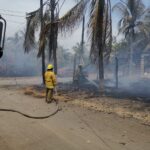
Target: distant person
(50,82)
(79,78)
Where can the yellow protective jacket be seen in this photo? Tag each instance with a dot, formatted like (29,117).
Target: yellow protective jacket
(50,79)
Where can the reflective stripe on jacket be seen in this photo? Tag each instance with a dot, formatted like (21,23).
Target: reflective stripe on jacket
(50,79)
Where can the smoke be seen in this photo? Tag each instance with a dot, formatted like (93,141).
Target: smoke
(136,84)
(15,62)
(134,78)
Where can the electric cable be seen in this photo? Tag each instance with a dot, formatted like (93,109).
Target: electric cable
(12,11)
(17,22)
(61,6)
(12,15)
(18,12)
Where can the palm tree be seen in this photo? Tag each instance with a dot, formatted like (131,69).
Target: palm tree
(131,13)
(99,30)
(144,26)
(34,20)
(51,24)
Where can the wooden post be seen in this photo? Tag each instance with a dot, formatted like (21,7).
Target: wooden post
(116,72)
(82,39)
(74,67)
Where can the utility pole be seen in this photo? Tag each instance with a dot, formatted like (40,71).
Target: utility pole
(43,51)
(83,26)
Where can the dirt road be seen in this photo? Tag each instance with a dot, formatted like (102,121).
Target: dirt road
(73,128)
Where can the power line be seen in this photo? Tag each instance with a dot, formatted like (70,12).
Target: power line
(17,22)
(11,15)
(12,11)
(62,5)
(17,12)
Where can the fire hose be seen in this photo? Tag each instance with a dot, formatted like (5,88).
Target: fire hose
(2,40)
(32,117)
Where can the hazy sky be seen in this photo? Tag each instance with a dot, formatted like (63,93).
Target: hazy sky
(20,7)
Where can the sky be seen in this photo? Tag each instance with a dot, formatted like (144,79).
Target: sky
(14,12)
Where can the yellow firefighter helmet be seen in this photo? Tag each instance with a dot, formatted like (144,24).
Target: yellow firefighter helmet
(50,66)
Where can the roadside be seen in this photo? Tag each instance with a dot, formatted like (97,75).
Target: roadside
(125,108)
(73,128)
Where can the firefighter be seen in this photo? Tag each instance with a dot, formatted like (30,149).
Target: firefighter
(50,82)
(79,78)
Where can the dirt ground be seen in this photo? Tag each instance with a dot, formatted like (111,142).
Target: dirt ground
(76,127)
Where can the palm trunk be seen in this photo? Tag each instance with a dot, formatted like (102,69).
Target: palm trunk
(43,51)
(55,48)
(116,72)
(131,53)
(53,35)
(101,74)
(100,21)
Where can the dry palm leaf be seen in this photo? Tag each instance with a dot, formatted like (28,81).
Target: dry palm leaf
(33,22)
(100,30)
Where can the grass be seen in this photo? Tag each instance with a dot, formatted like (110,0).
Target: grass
(32,91)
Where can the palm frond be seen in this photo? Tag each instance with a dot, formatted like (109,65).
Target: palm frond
(107,41)
(49,35)
(43,39)
(67,22)
(121,8)
(47,15)
(33,22)
(92,31)
(73,17)
(136,8)
(131,12)
(100,30)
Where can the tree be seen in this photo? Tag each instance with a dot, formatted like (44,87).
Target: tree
(131,13)
(33,23)
(51,24)
(99,30)
(43,52)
